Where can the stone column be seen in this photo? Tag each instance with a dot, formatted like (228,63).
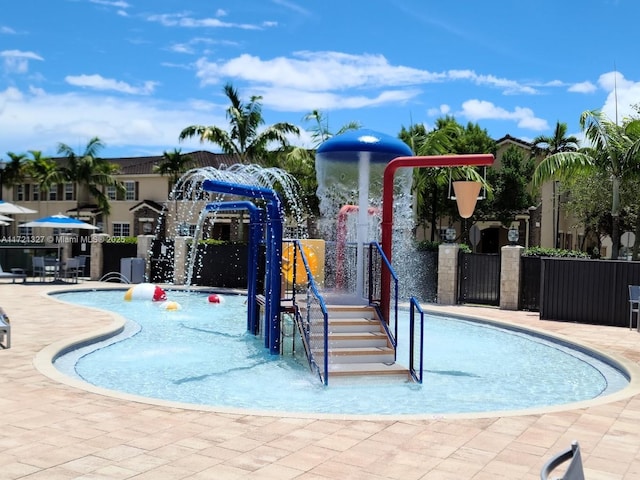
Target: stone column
(181,249)
(448,273)
(510,277)
(144,251)
(97,255)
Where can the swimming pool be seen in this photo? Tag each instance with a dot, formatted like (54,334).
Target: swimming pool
(203,355)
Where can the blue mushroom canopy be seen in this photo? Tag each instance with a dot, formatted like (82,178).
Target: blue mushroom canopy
(346,147)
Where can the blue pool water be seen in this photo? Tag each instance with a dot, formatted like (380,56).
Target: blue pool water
(203,355)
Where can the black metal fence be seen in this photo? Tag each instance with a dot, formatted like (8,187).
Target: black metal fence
(530,279)
(479,278)
(587,291)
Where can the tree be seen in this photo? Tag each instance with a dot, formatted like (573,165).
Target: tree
(556,143)
(174,164)
(44,171)
(13,173)
(86,170)
(613,150)
(430,184)
(510,187)
(243,138)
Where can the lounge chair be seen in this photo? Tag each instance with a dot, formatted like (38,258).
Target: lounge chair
(15,273)
(574,469)
(5,330)
(634,305)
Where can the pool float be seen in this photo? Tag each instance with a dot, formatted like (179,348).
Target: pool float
(216,299)
(145,291)
(170,305)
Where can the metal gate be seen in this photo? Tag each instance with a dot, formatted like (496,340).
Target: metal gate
(479,278)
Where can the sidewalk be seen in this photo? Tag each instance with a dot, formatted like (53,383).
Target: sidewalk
(51,430)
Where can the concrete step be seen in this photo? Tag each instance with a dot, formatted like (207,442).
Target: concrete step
(353,324)
(369,370)
(339,355)
(354,339)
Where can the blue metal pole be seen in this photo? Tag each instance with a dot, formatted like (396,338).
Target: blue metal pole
(255,227)
(274,252)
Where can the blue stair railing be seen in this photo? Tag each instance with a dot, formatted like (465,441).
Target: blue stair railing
(313,325)
(377,263)
(416,349)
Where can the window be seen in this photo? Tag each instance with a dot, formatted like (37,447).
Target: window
(20,193)
(131,190)
(25,231)
(53,193)
(121,229)
(68,191)
(112,193)
(35,192)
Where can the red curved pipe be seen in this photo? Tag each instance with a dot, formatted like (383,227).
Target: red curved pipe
(387,201)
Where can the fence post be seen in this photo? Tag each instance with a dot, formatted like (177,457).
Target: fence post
(144,251)
(510,277)
(180,253)
(448,273)
(97,255)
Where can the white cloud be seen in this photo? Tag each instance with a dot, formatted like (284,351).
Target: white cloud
(315,71)
(97,82)
(7,30)
(622,94)
(509,87)
(582,87)
(185,21)
(441,110)
(475,110)
(108,3)
(17,61)
(74,118)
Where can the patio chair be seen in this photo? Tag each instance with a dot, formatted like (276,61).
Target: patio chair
(71,269)
(574,469)
(40,268)
(634,305)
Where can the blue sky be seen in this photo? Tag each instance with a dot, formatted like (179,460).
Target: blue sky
(135,73)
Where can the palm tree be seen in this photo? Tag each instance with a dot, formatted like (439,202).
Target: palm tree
(13,173)
(244,138)
(174,164)
(556,143)
(44,171)
(614,150)
(86,170)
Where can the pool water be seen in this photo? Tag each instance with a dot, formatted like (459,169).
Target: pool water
(202,354)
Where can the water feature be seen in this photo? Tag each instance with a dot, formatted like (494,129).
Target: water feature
(203,355)
(186,215)
(349,170)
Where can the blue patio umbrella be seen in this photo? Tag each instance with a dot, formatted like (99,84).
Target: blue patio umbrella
(59,221)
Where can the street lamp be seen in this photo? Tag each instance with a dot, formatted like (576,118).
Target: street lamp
(513,235)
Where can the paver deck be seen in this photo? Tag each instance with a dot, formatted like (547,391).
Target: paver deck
(54,430)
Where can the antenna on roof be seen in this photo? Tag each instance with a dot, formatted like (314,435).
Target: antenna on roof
(615,88)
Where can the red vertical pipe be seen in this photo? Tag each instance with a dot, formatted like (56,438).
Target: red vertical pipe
(387,201)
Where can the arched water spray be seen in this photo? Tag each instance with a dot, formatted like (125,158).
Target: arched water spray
(185,213)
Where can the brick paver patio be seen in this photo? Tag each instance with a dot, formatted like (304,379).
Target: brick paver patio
(54,430)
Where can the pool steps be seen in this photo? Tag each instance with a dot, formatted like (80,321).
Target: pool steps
(358,345)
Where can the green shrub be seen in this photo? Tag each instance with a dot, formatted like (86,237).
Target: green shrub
(554,252)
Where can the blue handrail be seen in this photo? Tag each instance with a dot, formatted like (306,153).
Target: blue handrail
(316,308)
(389,321)
(414,307)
